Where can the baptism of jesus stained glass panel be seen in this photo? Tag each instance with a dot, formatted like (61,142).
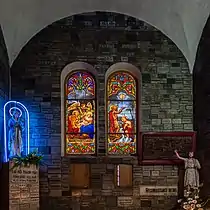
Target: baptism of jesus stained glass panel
(121,106)
(80,114)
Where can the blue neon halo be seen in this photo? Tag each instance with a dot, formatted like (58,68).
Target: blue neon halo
(15,108)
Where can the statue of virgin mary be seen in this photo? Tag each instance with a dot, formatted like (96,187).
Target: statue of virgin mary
(15,145)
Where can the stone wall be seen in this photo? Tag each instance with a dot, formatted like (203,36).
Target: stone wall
(4,84)
(102,39)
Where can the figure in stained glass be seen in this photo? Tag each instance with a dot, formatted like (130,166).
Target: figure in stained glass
(73,122)
(80,119)
(128,129)
(114,126)
(121,122)
(80,114)
(121,113)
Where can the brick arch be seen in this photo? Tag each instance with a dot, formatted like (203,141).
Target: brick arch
(67,70)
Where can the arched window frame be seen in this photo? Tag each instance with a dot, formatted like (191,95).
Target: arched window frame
(136,74)
(65,74)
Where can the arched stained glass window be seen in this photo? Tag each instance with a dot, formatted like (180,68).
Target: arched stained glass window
(121,113)
(80,114)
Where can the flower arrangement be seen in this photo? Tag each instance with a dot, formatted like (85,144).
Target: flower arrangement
(191,200)
(32,158)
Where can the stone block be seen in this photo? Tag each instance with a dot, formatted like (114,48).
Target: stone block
(146,173)
(106,192)
(156,121)
(166,121)
(86,192)
(176,121)
(148,168)
(146,203)
(155,173)
(188,127)
(55,150)
(178,127)
(55,193)
(111,201)
(54,169)
(124,201)
(162,70)
(165,105)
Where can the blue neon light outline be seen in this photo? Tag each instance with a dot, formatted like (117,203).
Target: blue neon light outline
(10,111)
(5,128)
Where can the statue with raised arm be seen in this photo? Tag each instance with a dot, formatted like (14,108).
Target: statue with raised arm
(192,165)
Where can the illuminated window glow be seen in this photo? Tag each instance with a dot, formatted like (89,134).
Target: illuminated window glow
(16,130)
(121,114)
(80,114)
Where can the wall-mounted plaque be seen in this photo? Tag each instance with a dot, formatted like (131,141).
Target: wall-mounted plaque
(124,201)
(158,148)
(158,190)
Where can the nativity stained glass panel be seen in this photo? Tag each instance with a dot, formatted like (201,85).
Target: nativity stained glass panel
(121,114)
(80,114)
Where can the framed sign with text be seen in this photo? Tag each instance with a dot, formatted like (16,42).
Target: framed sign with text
(158,147)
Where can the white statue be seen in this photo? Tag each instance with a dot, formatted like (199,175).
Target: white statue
(192,165)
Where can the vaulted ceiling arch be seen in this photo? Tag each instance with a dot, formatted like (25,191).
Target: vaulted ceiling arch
(182,21)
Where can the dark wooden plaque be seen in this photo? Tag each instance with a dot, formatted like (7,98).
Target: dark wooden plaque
(158,148)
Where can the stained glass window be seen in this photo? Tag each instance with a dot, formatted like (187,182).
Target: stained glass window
(80,114)
(121,114)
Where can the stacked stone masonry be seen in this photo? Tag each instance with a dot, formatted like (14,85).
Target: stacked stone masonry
(102,39)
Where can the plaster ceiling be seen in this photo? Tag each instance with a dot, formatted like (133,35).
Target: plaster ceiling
(181,20)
